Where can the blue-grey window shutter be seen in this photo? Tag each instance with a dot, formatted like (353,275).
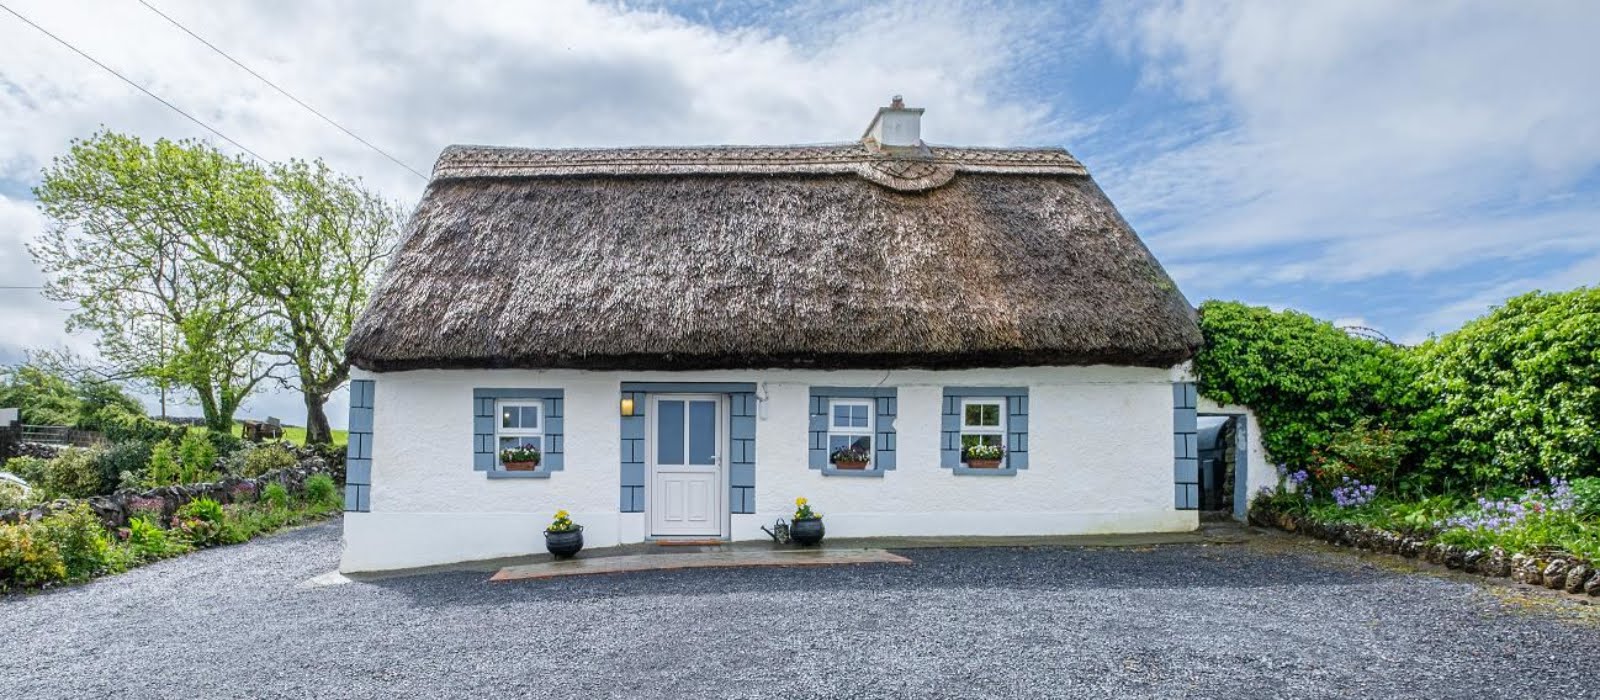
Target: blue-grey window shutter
(742,461)
(819,431)
(554,458)
(1017,431)
(358,451)
(483,447)
(633,427)
(884,440)
(950,433)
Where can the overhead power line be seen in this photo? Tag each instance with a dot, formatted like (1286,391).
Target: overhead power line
(282,91)
(135,85)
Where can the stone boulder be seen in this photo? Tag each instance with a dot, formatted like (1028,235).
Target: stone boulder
(1555,573)
(1577,577)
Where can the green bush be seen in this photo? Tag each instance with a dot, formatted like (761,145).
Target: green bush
(266,458)
(15,496)
(1305,380)
(73,474)
(320,490)
(149,541)
(222,444)
(276,496)
(203,523)
(31,469)
(132,457)
(1514,396)
(27,558)
(1586,497)
(131,427)
(197,455)
(80,537)
(1369,454)
(162,469)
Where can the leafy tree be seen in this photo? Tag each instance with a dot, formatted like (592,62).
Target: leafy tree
(1305,380)
(1515,395)
(120,213)
(49,395)
(313,260)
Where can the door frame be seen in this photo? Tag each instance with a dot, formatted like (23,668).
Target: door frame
(722,509)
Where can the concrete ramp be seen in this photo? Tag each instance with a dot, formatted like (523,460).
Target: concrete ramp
(732,559)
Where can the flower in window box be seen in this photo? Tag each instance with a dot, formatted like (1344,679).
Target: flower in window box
(520,459)
(850,458)
(983,456)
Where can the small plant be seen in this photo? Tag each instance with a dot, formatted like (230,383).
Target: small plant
(80,538)
(275,496)
(1353,494)
(31,469)
(242,492)
(147,508)
(197,456)
(983,455)
(14,495)
(202,523)
(28,559)
(321,491)
(852,456)
(521,458)
(162,469)
(131,457)
(267,458)
(562,523)
(802,509)
(148,541)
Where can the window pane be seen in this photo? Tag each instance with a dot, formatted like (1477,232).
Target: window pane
(507,443)
(841,416)
(974,414)
(669,432)
(839,442)
(508,416)
(858,416)
(702,432)
(530,417)
(991,414)
(970,440)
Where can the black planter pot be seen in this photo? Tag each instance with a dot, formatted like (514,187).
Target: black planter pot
(806,532)
(564,544)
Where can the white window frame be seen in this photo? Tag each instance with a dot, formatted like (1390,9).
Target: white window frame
(997,430)
(855,431)
(501,432)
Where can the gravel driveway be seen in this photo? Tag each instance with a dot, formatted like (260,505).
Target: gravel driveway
(1196,621)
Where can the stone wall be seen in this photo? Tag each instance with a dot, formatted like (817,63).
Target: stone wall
(113,509)
(1555,570)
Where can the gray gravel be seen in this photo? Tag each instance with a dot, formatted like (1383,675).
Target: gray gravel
(1178,621)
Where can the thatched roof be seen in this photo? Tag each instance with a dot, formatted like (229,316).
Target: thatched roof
(750,257)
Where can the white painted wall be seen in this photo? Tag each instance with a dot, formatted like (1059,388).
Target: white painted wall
(1100,461)
(1259,473)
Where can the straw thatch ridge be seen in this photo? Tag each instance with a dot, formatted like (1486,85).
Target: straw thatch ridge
(799,257)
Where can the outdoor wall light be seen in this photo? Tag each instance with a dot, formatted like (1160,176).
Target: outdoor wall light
(627,405)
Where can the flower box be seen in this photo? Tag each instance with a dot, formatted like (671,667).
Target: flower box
(849,465)
(520,459)
(520,466)
(983,463)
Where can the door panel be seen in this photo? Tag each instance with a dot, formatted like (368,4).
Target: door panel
(686,493)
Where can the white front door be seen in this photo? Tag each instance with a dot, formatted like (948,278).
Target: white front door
(686,495)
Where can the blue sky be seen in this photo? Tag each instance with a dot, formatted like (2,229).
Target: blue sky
(1399,165)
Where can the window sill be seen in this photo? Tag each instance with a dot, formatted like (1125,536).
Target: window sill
(831,470)
(964,470)
(538,474)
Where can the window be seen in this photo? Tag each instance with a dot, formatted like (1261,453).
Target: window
(519,425)
(983,422)
(850,426)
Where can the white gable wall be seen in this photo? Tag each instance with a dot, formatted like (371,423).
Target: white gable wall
(1100,461)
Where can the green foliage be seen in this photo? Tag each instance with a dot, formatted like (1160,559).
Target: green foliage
(1515,396)
(196,456)
(266,458)
(14,496)
(163,468)
(80,538)
(275,495)
(73,474)
(132,457)
(203,523)
(1371,455)
(320,490)
(44,398)
(1305,380)
(28,559)
(143,428)
(149,541)
(1586,497)
(31,469)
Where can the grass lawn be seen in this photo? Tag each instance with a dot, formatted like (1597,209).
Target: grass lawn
(292,433)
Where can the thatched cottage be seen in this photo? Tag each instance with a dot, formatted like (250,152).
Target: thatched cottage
(691,338)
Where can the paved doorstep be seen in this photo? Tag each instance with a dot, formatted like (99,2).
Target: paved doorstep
(697,560)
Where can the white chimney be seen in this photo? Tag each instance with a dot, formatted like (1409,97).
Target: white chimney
(896,128)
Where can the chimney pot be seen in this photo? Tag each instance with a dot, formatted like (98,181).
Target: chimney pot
(896,129)
(897,103)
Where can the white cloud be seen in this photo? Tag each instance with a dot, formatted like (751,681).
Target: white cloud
(1372,138)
